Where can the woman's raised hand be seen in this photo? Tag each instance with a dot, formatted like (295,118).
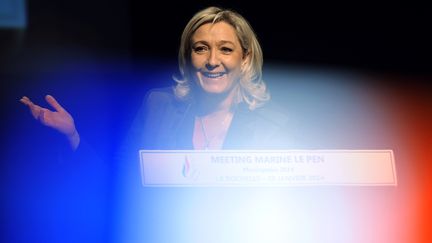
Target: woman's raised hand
(59,119)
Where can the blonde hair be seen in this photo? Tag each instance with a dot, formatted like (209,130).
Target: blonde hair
(252,90)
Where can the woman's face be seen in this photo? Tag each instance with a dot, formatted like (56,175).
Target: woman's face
(217,57)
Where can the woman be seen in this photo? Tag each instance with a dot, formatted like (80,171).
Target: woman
(216,103)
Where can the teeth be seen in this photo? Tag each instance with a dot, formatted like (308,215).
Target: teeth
(213,75)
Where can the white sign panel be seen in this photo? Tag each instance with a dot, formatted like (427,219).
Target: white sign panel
(267,167)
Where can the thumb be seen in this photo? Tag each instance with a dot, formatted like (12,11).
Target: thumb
(53,102)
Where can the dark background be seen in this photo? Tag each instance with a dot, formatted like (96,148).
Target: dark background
(98,57)
(361,36)
(382,37)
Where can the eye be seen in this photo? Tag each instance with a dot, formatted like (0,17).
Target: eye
(226,50)
(200,49)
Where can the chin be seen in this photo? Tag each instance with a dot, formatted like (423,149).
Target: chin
(216,89)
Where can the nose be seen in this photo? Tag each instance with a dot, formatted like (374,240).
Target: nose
(213,61)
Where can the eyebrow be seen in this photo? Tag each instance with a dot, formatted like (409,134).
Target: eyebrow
(222,42)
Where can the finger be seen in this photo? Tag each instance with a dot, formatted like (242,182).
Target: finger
(25,100)
(53,102)
(41,116)
(34,109)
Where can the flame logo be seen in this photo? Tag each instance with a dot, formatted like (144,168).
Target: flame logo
(189,171)
(186,167)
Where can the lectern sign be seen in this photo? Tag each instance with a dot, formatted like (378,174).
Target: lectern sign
(267,167)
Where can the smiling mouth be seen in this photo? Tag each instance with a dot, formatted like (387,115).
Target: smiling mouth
(213,75)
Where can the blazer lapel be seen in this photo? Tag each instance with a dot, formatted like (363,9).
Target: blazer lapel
(241,132)
(185,127)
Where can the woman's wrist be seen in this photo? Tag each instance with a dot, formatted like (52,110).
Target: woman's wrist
(74,140)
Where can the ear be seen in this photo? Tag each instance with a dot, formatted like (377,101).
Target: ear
(246,59)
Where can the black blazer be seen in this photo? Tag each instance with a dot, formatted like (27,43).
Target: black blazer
(164,122)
